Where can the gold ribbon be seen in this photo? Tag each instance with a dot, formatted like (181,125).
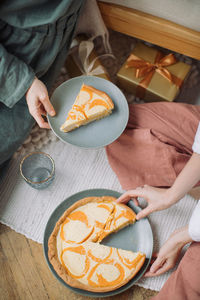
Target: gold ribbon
(87,67)
(146,70)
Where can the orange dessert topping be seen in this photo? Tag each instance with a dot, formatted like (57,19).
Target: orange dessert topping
(102,282)
(76,216)
(72,115)
(126,214)
(102,234)
(89,91)
(106,207)
(99,224)
(130,264)
(98,102)
(80,250)
(79,216)
(99,260)
(81,109)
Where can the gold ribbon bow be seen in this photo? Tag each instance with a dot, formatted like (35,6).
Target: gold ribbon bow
(146,70)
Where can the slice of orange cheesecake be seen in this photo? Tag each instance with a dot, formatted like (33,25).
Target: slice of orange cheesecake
(90,104)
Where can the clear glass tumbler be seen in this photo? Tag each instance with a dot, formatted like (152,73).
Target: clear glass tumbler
(38,169)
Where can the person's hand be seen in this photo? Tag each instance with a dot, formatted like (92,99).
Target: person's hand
(169,252)
(38,103)
(157,199)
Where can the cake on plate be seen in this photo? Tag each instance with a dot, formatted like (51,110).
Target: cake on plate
(76,254)
(90,104)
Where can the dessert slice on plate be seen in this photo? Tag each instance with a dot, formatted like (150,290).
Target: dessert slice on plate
(90,104)
(99,268)
(75,250)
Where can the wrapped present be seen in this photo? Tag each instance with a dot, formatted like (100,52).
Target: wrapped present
(151,75)
(84,61)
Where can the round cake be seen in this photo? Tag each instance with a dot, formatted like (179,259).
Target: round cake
(75,251)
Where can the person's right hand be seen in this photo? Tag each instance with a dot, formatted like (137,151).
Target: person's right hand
(169,252)
(157,199)
(38,103)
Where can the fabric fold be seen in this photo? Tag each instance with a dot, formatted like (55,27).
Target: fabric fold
(156,144)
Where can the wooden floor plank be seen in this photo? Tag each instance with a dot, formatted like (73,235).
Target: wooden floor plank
(8,289)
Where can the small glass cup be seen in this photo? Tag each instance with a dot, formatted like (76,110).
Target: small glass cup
(38,169)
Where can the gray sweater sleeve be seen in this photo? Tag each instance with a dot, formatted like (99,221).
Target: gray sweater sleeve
(15,78)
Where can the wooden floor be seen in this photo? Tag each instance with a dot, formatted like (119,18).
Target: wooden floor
(25,275)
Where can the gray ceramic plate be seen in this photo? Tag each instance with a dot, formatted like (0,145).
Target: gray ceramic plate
(135,237)
(96,134)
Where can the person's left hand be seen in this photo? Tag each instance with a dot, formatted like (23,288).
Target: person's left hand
(169,252)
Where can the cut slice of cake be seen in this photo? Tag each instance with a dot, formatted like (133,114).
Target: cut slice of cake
(75,250)
(97,267)
(90,104)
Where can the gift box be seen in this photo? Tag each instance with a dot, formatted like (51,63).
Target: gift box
(151,75)
(84,61)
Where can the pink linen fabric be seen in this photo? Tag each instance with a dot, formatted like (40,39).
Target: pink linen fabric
(184,283)
(156,144)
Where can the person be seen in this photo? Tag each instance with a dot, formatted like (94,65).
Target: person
(34,39)
(184,281)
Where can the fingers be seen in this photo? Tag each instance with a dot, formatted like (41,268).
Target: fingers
(135,201)
(45,108)
(166,266)
(140,191)
(145,192)
(128,195)
(157,264)
(124,198)
(153,258)
(39,119)
(38,103)
(44,98)
(160,266)
(37,111)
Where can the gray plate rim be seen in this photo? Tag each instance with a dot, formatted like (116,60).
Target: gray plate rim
(93,192)
(50,119)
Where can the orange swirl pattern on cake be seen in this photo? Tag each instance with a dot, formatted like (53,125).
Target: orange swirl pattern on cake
(90,105)
(91,265)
